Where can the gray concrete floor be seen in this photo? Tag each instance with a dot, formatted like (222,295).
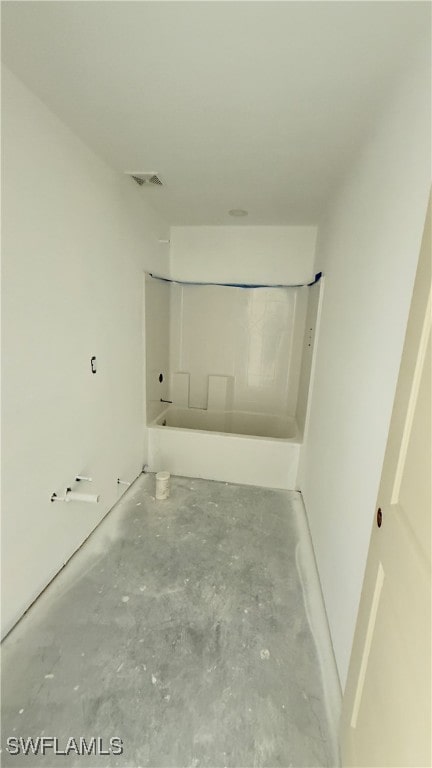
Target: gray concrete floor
(179,627)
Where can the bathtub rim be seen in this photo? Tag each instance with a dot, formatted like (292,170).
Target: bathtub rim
(296,439)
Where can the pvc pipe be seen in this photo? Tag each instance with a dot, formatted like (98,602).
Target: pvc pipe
(162,485)
(88,498)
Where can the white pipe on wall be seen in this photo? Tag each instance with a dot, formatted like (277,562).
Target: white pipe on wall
(87,498)
(69,495)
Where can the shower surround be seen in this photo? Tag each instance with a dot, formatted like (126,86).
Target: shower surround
(223,369)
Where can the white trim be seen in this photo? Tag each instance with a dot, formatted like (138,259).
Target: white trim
(415,387)
(368,644)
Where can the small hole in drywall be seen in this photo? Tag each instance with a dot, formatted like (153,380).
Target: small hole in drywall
(161,377)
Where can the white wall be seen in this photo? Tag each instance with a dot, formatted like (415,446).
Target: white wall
(76,239)
(253,336)
(243,254)
(368,248)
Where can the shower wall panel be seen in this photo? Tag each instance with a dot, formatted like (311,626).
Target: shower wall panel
(253,336)
(307,353)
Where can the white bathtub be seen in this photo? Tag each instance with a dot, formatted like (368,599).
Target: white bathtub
(235,446)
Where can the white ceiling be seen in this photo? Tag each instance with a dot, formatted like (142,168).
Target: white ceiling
(254,105)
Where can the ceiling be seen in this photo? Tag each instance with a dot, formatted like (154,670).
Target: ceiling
(252,105)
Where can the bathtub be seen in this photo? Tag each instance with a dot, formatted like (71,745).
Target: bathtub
(233,446)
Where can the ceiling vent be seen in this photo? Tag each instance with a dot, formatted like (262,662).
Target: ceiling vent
(146,179)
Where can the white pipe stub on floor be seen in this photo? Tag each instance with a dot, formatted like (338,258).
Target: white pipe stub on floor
(162,485)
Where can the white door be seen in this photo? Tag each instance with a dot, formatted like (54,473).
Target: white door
(386,718)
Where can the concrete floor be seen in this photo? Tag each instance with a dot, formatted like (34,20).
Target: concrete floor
(179,627)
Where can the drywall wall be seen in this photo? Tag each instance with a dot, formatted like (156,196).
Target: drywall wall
(76,239)
(251,336)
(368,248)
(156,336)
(243,254)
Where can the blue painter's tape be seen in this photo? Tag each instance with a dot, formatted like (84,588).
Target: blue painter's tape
(318,277)
(240,285)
